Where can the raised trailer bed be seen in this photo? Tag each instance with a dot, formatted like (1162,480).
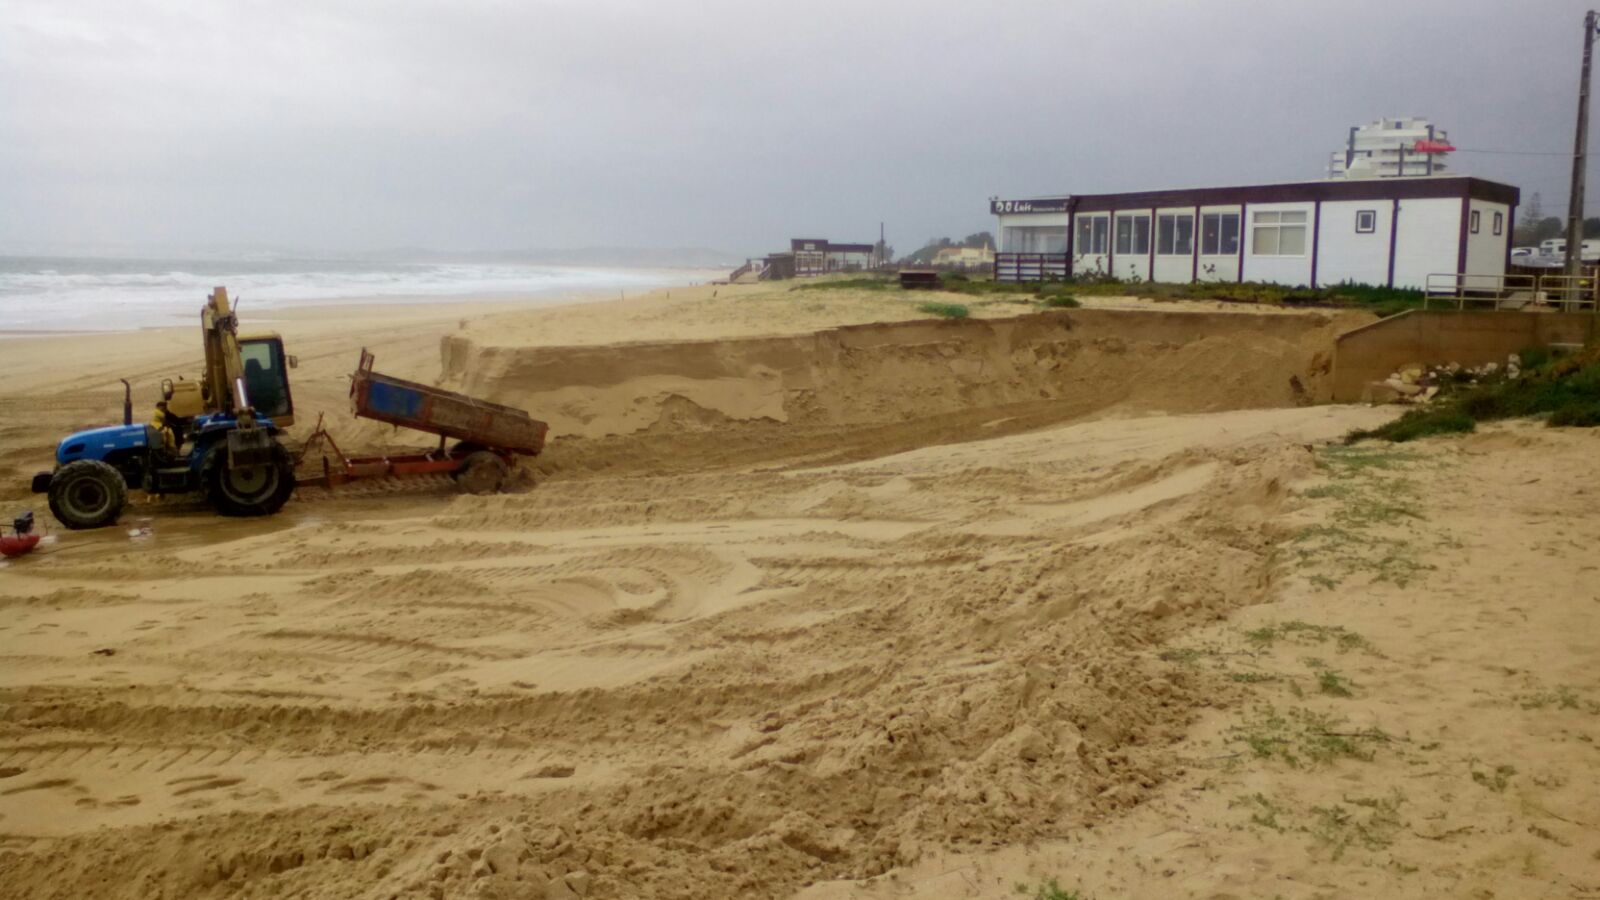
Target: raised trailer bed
(488,436)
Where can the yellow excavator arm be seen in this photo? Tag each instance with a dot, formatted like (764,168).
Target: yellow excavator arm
(224,378)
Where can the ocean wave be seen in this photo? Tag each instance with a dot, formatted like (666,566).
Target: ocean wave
(116,295)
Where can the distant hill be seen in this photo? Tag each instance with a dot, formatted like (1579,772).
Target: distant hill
(924,256)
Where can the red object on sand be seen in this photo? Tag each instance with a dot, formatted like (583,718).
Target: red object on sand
(1433,147)
(17,545)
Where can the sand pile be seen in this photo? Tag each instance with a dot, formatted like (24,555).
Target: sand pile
(887,373)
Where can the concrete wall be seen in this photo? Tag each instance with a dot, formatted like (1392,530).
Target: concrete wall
(1374,352)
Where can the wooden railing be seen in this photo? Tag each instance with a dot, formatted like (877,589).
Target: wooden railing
(1016,267)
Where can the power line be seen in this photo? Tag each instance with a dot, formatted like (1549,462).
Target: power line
(1511,152)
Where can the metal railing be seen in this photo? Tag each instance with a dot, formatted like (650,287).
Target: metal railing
(1464,289)
(1573,293)
(1019,267)
(1460,290)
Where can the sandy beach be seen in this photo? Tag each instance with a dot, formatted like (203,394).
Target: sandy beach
(813,595)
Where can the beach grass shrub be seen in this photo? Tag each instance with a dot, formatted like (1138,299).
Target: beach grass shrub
(946,310)
(1383,301)
(864,283)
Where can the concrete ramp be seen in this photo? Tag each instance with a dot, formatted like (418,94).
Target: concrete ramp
(1373,352)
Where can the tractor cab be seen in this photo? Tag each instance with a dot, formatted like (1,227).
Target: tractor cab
(264,367)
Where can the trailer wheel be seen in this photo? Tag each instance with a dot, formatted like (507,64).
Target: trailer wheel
(88,493)
(482,473)
(250,490)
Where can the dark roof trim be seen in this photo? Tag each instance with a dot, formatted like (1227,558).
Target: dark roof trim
(1307,192)
(850,248)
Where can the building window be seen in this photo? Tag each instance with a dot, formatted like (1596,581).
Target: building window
(1219,234)
(1093,234)
(1035,238)
(1499,223)
(1474,218)
(1175,235)
(1366,221)
(1133,234)
(1276,233)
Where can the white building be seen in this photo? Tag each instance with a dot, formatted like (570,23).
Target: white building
(1388,148)
(1391,232)
(965,257)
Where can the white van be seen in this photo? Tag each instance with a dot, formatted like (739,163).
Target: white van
(1557,247)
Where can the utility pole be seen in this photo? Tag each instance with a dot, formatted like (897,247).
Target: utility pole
(1580,153)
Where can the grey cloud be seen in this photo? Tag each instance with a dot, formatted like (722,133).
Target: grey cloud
(491,125)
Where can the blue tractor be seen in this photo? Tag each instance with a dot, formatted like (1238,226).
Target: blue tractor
(217,436)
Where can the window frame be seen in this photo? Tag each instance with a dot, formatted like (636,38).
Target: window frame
(1098,227)
(1168,233)
(1135,246)
(1499,223)
(1272,222)
(1474,221)
(1222,233)
(1372,221)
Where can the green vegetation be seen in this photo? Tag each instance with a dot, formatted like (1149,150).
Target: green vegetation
(1564,390)
(1496,781)
(1338,829)
(1061,301)
(1372,496)
(1562,697)
(1263,811)
(1381,300)
(1370,823)
(1301,737)
(1306,633)
(1187,656)
(864,283)
(1334,684)
(947,310)
(1049,889)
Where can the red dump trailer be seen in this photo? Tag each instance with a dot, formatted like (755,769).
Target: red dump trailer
(488,436)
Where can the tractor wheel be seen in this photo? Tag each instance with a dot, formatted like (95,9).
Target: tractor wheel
(482,473)
(249,490)
(88,494)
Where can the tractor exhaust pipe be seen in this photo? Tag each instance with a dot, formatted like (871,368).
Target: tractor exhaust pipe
(127,402)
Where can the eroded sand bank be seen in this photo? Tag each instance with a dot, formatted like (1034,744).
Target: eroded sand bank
(875,602)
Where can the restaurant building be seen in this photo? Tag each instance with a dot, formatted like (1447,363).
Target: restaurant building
(1393,232)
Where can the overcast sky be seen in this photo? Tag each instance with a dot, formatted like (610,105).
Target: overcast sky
(345,126)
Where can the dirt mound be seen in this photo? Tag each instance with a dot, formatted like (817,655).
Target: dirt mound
(867,375)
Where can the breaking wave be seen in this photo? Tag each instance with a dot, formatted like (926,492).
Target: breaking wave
(61,294)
